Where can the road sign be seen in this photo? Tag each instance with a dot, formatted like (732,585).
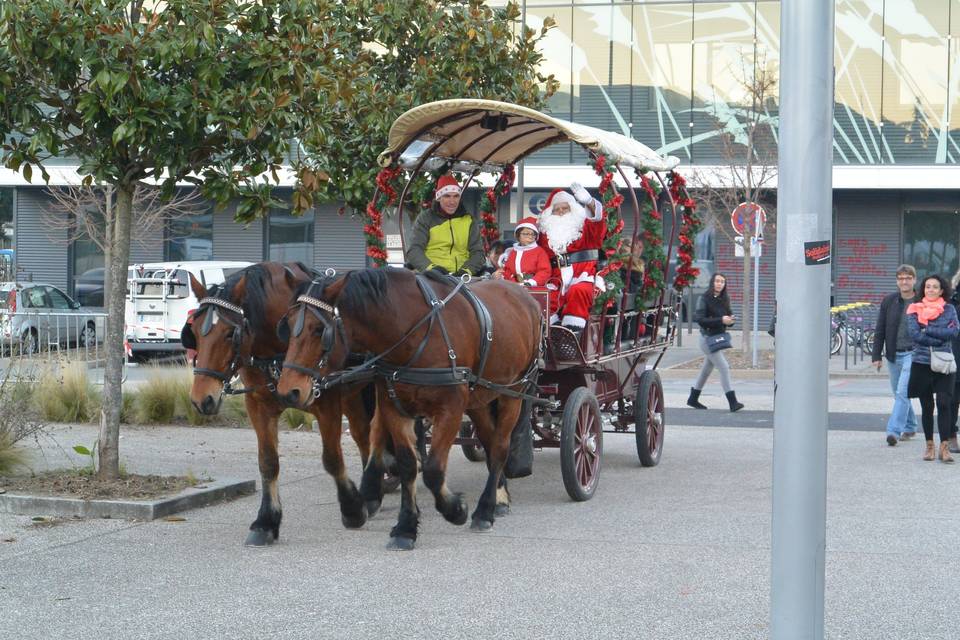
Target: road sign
(756,246)
(748,213)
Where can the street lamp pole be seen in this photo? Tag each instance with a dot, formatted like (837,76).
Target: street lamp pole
(803,321)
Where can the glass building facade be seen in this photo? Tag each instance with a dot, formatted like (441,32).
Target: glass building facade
(674,74)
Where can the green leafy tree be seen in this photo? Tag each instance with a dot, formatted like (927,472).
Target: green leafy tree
(418,52)
(203,91)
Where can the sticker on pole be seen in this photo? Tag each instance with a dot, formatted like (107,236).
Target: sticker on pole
(816,252)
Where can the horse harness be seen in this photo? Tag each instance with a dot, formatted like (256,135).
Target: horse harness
(270,367)
(392,374)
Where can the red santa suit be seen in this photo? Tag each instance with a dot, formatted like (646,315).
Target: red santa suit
(578,231)
(529,264)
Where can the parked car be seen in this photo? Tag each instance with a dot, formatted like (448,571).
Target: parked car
(160,299)
(35,316)
(89,288)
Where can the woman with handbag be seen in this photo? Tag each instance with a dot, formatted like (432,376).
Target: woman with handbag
(932,324)
(714,316)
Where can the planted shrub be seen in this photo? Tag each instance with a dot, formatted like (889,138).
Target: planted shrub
(295,418)
(67,395)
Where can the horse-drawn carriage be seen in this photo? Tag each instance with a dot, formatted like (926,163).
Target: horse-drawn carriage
(604,379)
(382,346)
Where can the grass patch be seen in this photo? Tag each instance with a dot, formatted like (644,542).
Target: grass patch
(297,419)
(156,398)
(67,396)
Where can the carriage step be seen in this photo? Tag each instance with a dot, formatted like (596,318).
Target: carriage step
(565,345)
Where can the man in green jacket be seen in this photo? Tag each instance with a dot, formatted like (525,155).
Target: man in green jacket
(446,238)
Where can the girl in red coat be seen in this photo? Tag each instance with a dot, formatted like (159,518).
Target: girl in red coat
(526,262)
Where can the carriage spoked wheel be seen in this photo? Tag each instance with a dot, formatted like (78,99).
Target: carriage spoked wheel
(581,444)
(472,452)
(649,417)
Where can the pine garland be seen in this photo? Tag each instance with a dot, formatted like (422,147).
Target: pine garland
(651,232)
(690,225)
(373,220)
(489,226)
(612,242)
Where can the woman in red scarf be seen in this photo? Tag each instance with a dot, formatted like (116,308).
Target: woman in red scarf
(932,323)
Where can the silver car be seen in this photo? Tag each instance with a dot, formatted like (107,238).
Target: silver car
(36,317)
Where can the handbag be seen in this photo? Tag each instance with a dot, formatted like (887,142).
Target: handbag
(721,341)
(942,361)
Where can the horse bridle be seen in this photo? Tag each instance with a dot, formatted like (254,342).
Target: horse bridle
(236,339)
(329,317)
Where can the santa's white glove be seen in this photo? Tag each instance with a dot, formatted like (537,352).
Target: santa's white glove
(582,195)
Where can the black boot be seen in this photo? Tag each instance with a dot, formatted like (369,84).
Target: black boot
(694,399)
(732,399)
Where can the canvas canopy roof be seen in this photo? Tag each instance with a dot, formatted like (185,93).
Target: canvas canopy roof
(487,134)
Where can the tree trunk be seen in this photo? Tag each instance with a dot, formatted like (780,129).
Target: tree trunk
(114,292)
(746,316)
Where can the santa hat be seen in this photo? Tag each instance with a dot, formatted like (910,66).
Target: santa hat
(559,195)
(446,184)
(526,223)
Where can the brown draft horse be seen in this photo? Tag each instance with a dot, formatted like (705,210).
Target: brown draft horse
(234,331)
(383,311)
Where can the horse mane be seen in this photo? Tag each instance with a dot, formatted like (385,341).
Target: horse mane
(362,288)
(255,296)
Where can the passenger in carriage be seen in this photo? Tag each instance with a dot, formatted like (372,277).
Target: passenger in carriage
(572,229)
(446,238)
(495,257)
(526,262)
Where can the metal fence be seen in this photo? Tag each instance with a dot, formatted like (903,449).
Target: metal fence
(35,340)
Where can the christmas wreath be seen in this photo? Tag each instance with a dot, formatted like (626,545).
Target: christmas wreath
(489,227)
(690,225)
(385,197)
(651,234)
(612,243)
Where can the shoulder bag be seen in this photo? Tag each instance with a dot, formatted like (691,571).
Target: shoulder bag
(721,341)
(942,361)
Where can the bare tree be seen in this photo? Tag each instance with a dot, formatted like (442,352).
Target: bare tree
(748,170)
(87,213)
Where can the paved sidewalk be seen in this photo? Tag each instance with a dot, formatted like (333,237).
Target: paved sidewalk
(678,551)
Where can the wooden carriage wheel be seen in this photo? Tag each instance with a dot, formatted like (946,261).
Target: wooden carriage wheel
(649,417)
(581,444)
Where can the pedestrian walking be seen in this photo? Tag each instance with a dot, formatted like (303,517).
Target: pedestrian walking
(715,317)
(891,339)
(932,322)
(952,444)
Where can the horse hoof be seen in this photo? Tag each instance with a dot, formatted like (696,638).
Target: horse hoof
(259,538)
(372,507)
(457,514)
(354,521)
(501,510)
(479,525)
(399,543)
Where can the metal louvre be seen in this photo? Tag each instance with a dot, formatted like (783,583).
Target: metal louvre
(34,240)
(337,240)
(868,246)
(232,241)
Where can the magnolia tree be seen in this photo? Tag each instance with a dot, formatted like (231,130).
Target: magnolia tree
(194,91)
(418,52)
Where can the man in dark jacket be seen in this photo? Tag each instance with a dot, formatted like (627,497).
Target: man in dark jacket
(892,338)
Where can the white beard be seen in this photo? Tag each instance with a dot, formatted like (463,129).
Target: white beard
(562,230)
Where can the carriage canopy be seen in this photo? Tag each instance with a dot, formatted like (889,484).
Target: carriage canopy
(490,134)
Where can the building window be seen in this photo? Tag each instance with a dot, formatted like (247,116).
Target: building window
(87,264)
(930,241)
(6,218)
(290,238)
(190,238)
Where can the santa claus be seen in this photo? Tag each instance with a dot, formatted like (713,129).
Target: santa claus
(572,229)
(526,262)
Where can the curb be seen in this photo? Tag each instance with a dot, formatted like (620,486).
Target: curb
(190,498)
(767,374)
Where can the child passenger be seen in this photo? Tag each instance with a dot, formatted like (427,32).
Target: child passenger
(526,262)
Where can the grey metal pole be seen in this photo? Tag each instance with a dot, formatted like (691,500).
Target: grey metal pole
(756,288)
(800,412)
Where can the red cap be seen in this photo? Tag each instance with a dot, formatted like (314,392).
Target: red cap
(446,184)
(527,223)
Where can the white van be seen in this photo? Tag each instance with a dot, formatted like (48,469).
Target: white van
(160,299)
